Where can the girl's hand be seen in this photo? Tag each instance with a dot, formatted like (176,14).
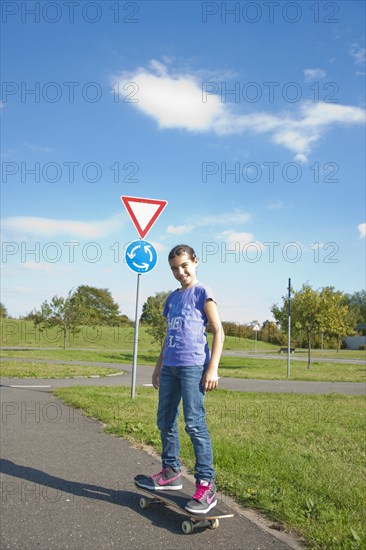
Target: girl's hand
(210,380)
(156,374)
(156,377)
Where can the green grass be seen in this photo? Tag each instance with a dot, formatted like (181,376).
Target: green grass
(24,333)
(297,458)
(115,345)
(20,333)
(230,366)
(13,369)
(276,369)
(333,354)
(83,355)
(233,343)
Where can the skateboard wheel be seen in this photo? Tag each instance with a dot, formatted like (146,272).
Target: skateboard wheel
(214,524)
(144,503)
(187,527)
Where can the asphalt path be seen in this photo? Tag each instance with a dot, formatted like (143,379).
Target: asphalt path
(260,354)
(314,358)
(66,484)
(143,377)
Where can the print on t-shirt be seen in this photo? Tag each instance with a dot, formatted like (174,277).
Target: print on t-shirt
(186,342)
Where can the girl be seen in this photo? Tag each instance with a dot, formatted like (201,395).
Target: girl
(185,370)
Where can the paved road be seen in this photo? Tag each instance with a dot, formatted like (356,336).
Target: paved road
(65,484)
(236,353)
(144,377)
(314,358)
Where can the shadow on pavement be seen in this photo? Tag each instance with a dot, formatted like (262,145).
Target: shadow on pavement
(119,496)
(33,475)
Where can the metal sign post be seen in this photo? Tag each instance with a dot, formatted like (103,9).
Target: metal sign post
(256,327)
(135,340)
(289,331)
(141,256)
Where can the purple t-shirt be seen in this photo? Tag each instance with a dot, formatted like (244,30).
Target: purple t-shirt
(186,342)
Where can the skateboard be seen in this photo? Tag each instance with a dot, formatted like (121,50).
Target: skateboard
(177,501)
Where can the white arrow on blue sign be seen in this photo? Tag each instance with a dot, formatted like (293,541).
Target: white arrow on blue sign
(141,256)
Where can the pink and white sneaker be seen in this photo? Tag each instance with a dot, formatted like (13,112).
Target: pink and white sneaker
(203,499)
(166,480)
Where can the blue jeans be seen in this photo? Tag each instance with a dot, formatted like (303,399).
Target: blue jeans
(176,384)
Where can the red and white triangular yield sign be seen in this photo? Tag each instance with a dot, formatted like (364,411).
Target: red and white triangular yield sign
(143,212)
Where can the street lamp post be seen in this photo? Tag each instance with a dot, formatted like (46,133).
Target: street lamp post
(256,327)
(289,331)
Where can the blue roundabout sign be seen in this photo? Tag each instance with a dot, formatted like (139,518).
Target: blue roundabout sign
(141,256)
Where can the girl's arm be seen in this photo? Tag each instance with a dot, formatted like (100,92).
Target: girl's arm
(210,380)
(156,373)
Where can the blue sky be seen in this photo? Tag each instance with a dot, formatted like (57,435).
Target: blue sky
(248,118)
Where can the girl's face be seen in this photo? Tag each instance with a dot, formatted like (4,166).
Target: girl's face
(184,270)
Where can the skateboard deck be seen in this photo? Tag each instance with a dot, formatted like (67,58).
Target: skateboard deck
(177,501)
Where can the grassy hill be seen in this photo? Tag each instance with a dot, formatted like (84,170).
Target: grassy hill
(23,333)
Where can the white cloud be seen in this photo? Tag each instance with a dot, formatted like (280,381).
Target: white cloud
(30,268)
(301,158)
(242,238)
(158,67)
(313,74)
(50,227)
(358,53)
(176,100)
(179,229)
(38,266)
(320,115)
(297,140)
(242,242)
(300,133)
(26,290)
(362,229)
(38,148)
(227,217)
(275,205)
(158,246)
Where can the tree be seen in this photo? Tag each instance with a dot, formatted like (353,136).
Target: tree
(335,319)
(97,306)
(240,330)
(271,333)
(152,314)
(305,310)
(357,306)
(315,312)
(63,313)
(3,311)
